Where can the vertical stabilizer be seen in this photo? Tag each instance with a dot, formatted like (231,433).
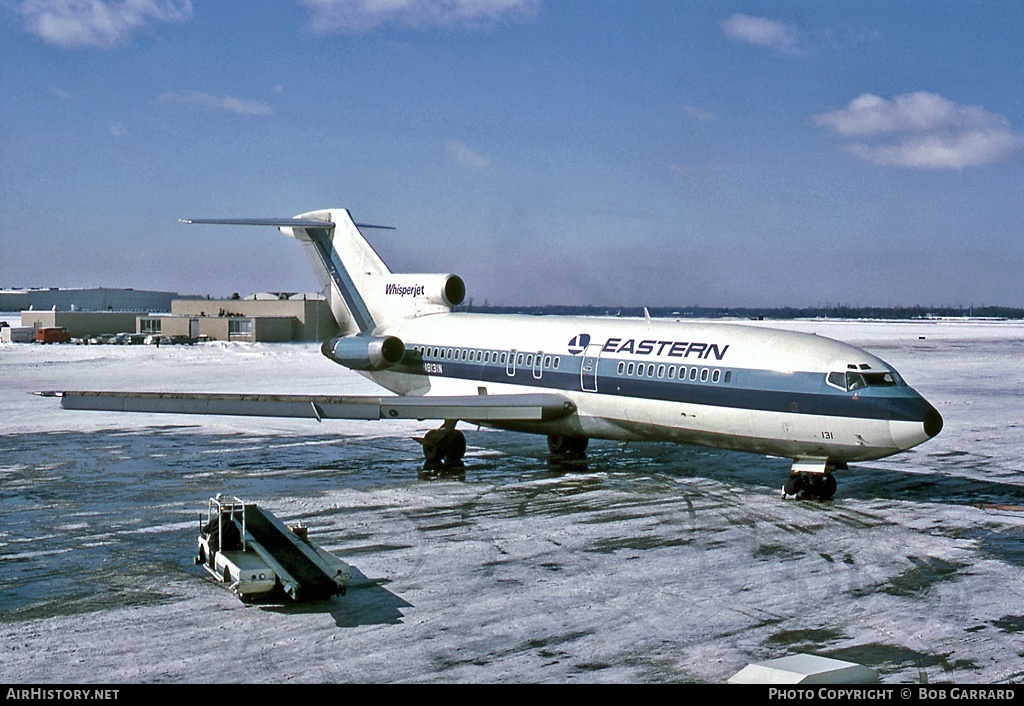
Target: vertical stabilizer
(346,266)
(362,292)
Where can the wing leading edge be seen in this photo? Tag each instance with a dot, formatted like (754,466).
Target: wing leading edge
(483,408)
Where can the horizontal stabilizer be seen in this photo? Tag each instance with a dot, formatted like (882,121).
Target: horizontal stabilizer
(276,222)
(530,407)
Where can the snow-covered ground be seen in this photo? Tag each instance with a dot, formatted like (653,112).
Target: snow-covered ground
(649,563)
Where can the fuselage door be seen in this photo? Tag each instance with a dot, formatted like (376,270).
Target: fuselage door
(588,368)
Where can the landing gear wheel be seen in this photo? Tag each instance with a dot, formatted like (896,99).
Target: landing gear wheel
(794,487)
(444,446)
(455,446)
(558,444)
(810,486)
(827,487)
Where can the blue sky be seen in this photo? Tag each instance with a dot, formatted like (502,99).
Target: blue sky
(550,152)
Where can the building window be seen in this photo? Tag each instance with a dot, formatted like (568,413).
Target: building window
(149,325)
(240,327)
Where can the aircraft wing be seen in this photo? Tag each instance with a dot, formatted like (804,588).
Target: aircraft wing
(471,408)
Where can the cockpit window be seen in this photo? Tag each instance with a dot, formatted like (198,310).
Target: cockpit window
(858,381)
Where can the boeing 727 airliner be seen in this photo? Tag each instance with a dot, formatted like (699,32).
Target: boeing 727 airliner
(817,401)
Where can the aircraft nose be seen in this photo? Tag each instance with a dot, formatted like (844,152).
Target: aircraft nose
(914,422)
(932,422)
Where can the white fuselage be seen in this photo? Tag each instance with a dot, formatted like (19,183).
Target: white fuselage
(717,384)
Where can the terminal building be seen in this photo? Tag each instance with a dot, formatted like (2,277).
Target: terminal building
(270,317)
(85,299)
(260,317)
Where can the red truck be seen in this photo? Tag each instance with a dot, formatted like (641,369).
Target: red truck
(52,334)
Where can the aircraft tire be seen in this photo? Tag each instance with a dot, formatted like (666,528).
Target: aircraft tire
(827,487)
(794,487)
(558,444)
(454,446)
(433,446)
(444,446)
(804,486)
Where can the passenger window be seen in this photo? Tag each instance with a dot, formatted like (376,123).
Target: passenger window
(629,369)
(556,362)
(519,359)
(661,371)
(621,368)
(703,374)
(728,375)
(671,372)
(503,358)
(547,361)
(716,376)
(693,373)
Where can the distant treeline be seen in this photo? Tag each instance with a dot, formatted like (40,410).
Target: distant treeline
(817,312)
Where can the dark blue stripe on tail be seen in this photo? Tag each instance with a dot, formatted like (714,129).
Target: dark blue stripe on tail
(329,257)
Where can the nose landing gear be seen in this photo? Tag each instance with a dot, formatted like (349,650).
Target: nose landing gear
(810,486)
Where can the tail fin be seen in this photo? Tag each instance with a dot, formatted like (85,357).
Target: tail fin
(363,293)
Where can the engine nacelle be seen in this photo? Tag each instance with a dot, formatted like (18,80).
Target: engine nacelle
(442,290)
(365,352)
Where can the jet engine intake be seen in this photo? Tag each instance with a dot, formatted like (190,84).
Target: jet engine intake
(365,352)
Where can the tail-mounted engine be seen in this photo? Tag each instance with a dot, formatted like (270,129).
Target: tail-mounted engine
(439,290)
(365,352)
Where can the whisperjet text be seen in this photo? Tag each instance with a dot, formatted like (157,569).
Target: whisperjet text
(673,349)
(402,290)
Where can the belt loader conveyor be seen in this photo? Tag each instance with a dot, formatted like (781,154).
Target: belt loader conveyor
(260,558)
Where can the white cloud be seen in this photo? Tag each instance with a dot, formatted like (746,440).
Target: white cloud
(698,114)
(762,32)
(97,23)
(206,101)
(466,156)
(922,130)
(366,15)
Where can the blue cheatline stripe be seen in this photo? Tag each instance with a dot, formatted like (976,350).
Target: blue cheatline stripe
(805,393)
(331,261)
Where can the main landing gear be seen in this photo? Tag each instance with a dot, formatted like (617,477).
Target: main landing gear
(810,486)
(562,445)
(444,446)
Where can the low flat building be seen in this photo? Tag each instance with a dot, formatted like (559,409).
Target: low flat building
(302,317)
(82,324)
(270,318)
(85,299)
